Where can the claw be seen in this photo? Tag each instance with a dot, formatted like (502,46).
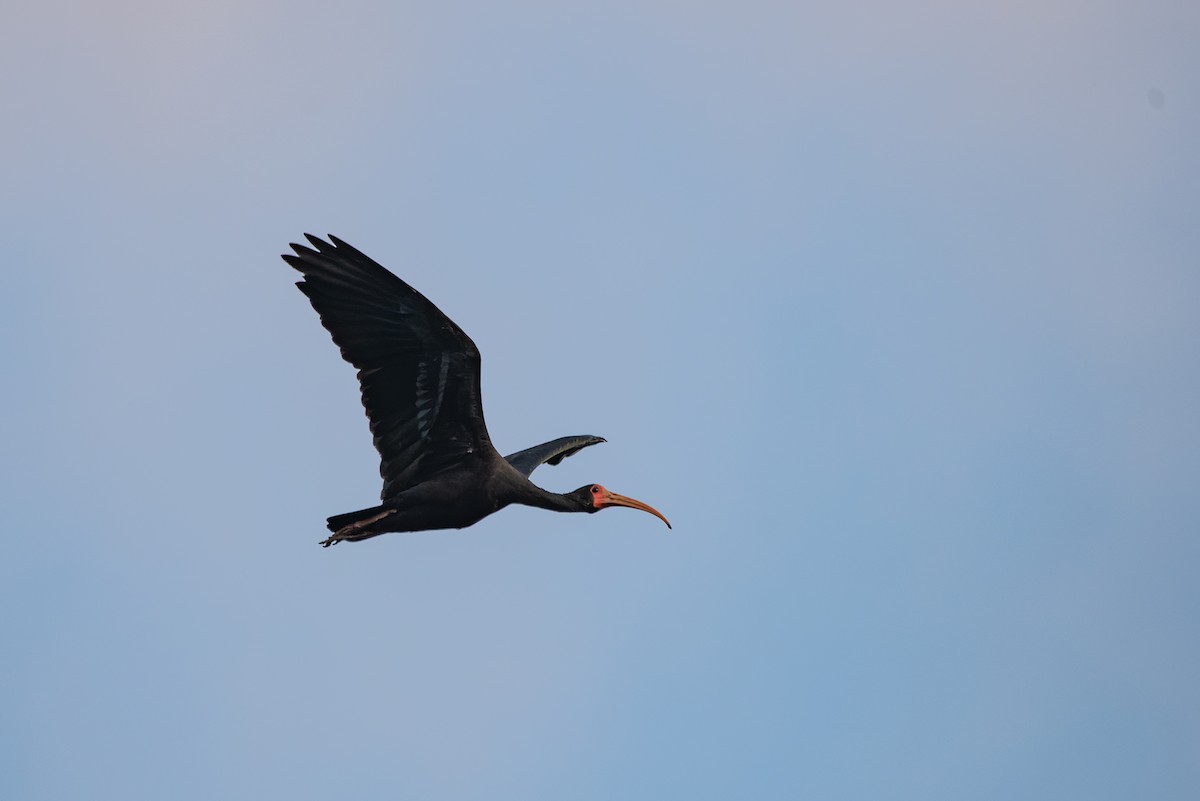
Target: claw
(350,532)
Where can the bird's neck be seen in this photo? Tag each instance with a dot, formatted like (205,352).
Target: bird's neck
(533,495)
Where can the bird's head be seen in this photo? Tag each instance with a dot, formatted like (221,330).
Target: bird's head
(593,498)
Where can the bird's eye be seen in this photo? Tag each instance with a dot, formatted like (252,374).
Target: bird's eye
(595,490)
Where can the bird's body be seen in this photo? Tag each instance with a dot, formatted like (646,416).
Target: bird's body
(419,375)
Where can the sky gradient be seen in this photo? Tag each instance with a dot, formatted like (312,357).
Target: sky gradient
(897,311)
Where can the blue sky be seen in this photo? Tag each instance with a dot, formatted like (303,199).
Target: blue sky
(890,308)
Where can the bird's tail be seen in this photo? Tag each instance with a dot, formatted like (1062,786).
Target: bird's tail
(338,522)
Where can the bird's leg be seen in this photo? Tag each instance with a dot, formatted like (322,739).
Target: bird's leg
(352,532)
(356,530)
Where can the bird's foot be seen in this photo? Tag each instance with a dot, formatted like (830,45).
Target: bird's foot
(358,530)
(352,532)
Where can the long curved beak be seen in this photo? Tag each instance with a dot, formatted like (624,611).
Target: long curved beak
(613,499)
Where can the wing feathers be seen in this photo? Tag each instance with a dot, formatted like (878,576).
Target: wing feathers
(551,452)
(418,371)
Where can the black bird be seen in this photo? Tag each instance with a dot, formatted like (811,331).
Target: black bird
(419,375)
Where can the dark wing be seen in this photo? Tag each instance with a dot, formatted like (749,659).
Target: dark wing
(418,371)
(551,452)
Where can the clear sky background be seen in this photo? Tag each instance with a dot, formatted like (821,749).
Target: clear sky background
(890,307)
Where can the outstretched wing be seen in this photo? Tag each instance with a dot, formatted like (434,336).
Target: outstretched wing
(551,452)
(418,371)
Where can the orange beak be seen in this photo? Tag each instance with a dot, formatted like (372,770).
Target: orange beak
(613,499)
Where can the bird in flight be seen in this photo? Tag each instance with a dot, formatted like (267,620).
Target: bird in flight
(419,376)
